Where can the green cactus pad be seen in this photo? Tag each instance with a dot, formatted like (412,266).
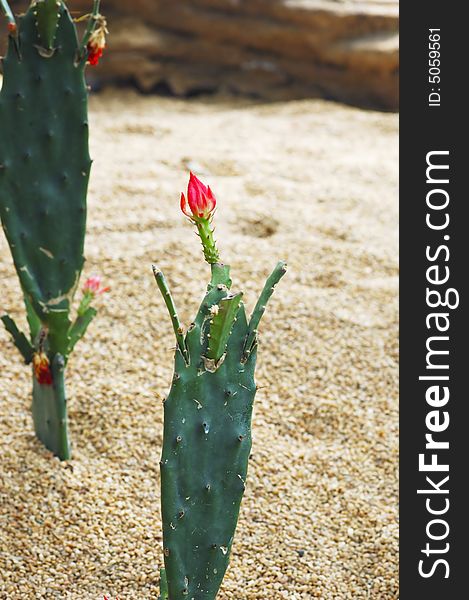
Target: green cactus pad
(207,443)
(44,167)
(44,172)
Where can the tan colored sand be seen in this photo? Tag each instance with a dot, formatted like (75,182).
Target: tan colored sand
(310,181)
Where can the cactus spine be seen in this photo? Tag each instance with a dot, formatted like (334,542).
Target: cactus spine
(207,435)
(44,172)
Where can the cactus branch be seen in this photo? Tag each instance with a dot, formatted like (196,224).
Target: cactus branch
(79,327)
(220,275)
(92,20)
(259,309)
(8,14)
(47,14)
(221,324)
(19,339)
(168,300)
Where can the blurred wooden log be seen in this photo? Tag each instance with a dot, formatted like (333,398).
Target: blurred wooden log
(272,49)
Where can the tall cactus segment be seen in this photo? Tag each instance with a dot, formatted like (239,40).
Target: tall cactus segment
(207,427)
(44,172)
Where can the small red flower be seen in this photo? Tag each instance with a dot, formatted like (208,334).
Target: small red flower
(97,42)
(200,202)
(12,28)
(93,287)
(41,368)
(94,54)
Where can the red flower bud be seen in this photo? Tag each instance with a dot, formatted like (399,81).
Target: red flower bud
(42,369)
(94,54)
(200,202)
(12,28)
(97,42)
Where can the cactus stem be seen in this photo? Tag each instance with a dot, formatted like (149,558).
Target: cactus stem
(9,17)
(50,411)
(19,339)
(205,231)
(92,21)
(168,299)
(259,309)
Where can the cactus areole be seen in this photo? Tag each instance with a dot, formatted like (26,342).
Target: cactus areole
(207,422)
(44,171)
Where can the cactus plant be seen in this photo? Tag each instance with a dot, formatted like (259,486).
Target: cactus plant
(44,171)
(207,420)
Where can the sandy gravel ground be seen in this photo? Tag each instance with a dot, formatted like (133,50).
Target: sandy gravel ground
(309,181)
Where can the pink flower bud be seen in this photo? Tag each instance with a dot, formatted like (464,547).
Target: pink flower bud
(93,287)
(200,202)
